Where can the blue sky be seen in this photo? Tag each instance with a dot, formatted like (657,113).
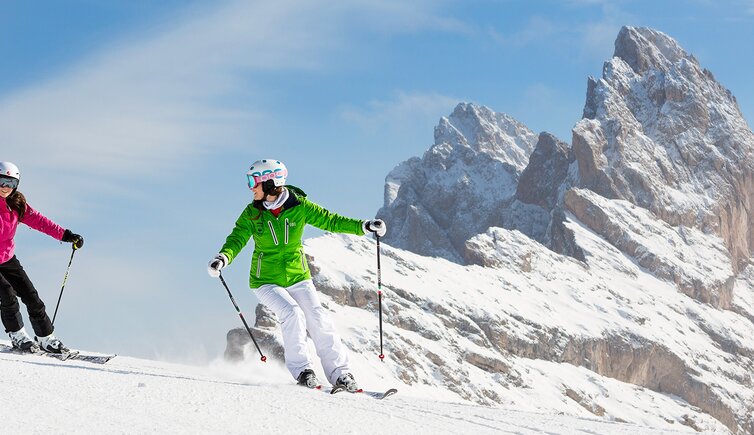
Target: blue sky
(133,123)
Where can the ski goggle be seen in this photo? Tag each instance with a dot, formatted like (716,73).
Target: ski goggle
(253,181)
(257,177)
(8,182)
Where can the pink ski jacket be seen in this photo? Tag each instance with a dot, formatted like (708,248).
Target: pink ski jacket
(9,222)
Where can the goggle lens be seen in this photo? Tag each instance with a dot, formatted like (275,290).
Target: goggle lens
(8,182)
(252,181)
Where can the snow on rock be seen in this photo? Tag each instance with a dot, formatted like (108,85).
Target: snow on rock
(668,252)
(743,293)
(476,331)
(661,132)
(457,189)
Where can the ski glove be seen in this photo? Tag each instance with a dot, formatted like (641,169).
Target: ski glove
(70,237)
(376,226)
(216,264)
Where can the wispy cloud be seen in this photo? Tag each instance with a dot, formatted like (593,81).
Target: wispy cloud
(145,106)
(589,2)
(402,16)
(536,29)
(595,38)
(599,37)
(405,109)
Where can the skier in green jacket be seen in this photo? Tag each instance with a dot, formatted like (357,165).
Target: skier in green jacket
(279,273)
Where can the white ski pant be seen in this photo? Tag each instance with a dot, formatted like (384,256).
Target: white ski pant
(298,309)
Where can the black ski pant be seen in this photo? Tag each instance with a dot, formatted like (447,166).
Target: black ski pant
(14,284)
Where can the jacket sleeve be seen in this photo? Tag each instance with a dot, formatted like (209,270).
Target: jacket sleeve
(239,237)
(39,222)
(329,221)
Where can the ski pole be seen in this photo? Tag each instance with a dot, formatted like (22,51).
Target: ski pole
(65,278)
(264,358)
(379,293)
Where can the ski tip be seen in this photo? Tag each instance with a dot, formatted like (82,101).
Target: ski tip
(388,393)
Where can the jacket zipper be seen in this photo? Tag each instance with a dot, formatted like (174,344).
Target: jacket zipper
(272,231)
(259,263)
(286,231)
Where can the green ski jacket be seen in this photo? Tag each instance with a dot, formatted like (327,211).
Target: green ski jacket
(278,256)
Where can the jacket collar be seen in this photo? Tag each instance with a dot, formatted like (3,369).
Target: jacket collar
(292,200)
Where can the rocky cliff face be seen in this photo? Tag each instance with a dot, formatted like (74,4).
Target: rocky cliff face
(460,185)
(662,133)
(533,329)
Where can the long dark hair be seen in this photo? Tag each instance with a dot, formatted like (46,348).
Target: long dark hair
(269,188)
(17,202)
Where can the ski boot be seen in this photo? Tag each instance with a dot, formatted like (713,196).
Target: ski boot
(52,344)
(308,379)
(21,340)
(347,381)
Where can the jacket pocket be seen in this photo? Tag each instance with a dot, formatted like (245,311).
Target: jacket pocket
(259,263)
(272,231)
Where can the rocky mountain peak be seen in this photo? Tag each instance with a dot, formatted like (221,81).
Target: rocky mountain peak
(643,49)
(484,131)
(662,133)
(456,190)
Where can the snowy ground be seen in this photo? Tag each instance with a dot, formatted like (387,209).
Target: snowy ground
(132,396)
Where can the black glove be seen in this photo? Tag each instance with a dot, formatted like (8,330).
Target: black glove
(69,237)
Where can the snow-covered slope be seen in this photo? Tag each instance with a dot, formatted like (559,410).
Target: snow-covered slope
(132,396)
(542,332)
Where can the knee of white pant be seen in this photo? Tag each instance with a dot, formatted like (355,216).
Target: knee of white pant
(319,323)
(291,313)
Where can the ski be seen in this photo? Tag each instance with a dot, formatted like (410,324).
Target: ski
(337,389)
(66,356)
(94,359)
(379,395)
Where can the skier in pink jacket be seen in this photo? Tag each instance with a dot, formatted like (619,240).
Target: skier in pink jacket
(14,283)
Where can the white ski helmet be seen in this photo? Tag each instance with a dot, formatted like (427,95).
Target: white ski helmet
(10,170)
(267,169)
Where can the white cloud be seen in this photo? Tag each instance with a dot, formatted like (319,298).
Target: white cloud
(594,38)
(536,29)
(402,111)
(599,38)
(148,105)
(402,16)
